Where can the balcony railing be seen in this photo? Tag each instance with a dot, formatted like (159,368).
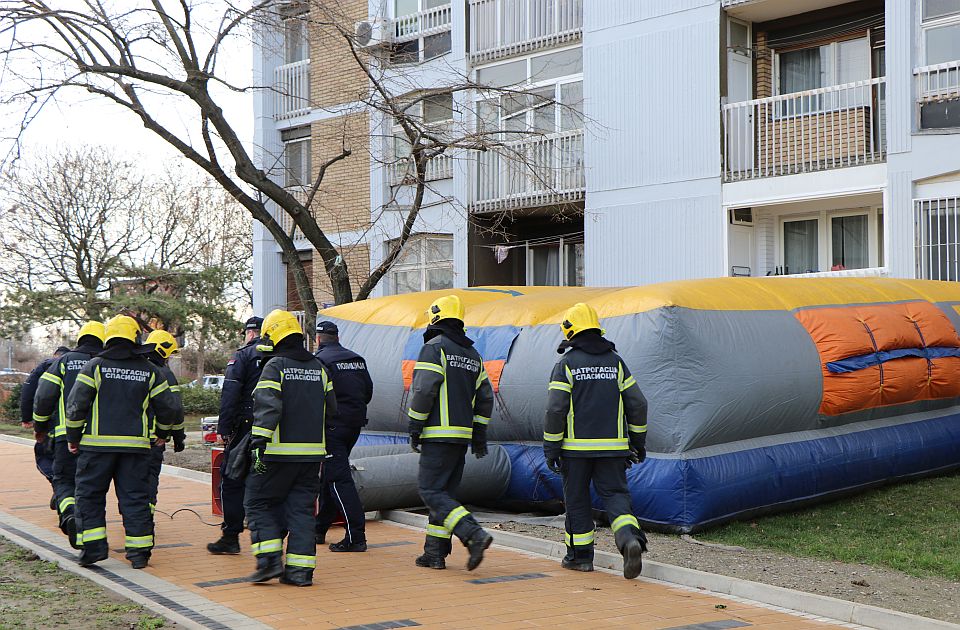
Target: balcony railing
(531,172)
(938,83)
(842,125)
(501,28)
(292,90)
(401,172)
(285,220)
(423,24)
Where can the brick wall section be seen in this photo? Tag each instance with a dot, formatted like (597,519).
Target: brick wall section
(343,201)
(335,77)
(357,258)
(763,75)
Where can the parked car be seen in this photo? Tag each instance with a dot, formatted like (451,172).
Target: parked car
(209,381)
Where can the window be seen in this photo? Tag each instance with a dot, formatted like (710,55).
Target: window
(295,40)
(555,264)
(940,37)
(800,250)
(425,264)
(836,63)
(437,112)
(938,238)
(419,48)
(297,164)
(849,242)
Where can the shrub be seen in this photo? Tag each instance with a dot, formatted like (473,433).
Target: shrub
(200,400)
(10,407)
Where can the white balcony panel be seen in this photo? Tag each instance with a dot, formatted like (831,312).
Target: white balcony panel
(815,130)
(531,172)
(938,83)
(286,221)
(401,172)
(423,24)
(292,89)
(502,28)
(868,272)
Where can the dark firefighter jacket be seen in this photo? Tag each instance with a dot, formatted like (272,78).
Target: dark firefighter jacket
(176,429)
(50,401)
(291,402)
(351,381)
(236,397)
(450,391)
(594,406)
(29,389)
(109,404)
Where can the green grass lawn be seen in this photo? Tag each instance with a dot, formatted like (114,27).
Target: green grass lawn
(912,527)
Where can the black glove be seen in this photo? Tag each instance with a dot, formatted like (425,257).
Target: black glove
(639,451)
(415,428)
(631,459)
(178,440)
(257,448)
(478,444)
(551,452)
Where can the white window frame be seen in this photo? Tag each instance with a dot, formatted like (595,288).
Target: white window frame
(824,218)
(307,173)
(929,25)
(420,40)
(423,266)
(296,13)
(561,259)
(832,78)
(397,133)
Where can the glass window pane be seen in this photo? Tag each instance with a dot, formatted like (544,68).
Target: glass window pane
(405,7)
(880,262)
(438,108)
(488,116)
(546,266)
(439,250)
(295,40)
(432,4)
(405,281)
(571,101)
(943,44)
(739,36)
(559,64)
(939,8)
(850,247)
(800,246)
(293,163)
(407,52)
(503,75)
(853,61)
(800,70)
(573,265)
(436,45)
(439,278)
(411,254)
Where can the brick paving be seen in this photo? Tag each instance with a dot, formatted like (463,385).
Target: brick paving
(382,588)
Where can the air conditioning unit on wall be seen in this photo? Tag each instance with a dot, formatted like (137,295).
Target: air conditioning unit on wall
(371,33)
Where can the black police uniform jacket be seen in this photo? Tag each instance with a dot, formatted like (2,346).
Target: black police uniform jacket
(291,402)
(54,387)
(594,406)
(450,392)
(236,397)
(108,407)
(29,390)
(351,381)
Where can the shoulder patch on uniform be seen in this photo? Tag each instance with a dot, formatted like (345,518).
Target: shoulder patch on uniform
(231,362)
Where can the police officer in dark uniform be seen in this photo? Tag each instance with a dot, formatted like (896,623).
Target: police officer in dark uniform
(49,407)
(451,403)
(162,346)
(106,426)
(291,401)
(236,416)
(351,381)
(595,428)
(43,449)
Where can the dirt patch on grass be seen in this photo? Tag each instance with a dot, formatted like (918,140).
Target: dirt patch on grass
(39,594)
(877,586)
(195,456)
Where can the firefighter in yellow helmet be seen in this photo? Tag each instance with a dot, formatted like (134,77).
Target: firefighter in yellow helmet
(162,345)
(291,402)
(450,407)
(49,409)
(595,428)
(116,388)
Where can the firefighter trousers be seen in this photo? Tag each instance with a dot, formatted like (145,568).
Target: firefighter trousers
(282,499)
(128,471)
(64,477)
(156,463)
(441,470)
(609,478)
(338,493)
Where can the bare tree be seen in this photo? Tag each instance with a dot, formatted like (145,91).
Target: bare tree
(143,54)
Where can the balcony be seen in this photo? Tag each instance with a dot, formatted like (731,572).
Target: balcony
(292,90)
(401,173)
(938,83)
(414,26)
(815,130)
(531,172)
(503,28)
(286,221)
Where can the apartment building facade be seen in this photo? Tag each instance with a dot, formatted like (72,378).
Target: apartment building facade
(663,140)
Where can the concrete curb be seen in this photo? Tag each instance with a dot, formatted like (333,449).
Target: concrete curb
(796,601)
(16,439)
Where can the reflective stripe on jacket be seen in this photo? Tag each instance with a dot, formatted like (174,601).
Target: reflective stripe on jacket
(53,389)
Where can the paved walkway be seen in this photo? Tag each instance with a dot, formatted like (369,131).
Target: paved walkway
(378,589)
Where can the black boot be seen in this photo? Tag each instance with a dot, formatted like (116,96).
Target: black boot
(297,576)
(68,525)
(431,562)
(139,561)
(90,555)
(632,542)
(229,545)
(321,536)
(346,546)
(53,502)
(476,546)
(578,559)
(268,567)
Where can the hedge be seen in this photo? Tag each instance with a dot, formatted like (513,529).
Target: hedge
(200,400)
